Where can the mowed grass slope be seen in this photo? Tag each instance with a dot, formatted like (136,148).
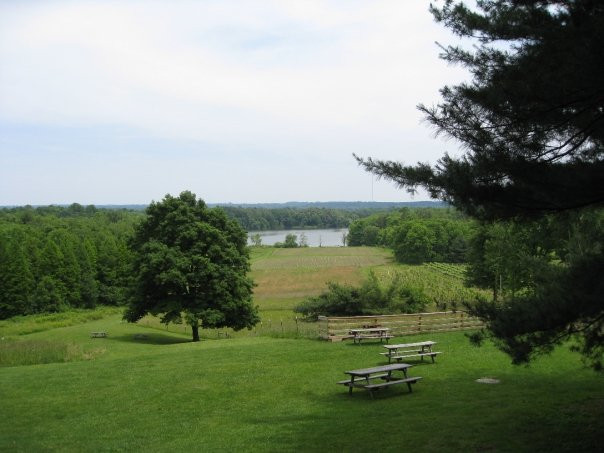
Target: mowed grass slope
(254,392)
(164,393)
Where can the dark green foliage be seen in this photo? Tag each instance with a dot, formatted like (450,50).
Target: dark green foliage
(191,262)
(370,298)
(531,122)
(16,278)
(291,241)
(546,278)
(416,235)
(52,258)
(255,219)
(313,215)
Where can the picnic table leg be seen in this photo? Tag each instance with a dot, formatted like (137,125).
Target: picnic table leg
(351,384)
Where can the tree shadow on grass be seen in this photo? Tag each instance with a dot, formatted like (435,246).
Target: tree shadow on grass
(529,417)
(150,338)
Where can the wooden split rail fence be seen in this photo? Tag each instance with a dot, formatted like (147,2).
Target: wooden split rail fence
(338,328)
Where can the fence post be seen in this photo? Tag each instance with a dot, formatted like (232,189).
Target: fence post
(419,323)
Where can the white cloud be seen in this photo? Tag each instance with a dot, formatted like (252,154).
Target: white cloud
(307,78)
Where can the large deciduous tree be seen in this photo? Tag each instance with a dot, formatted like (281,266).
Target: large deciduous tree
(531,126)
(191,262)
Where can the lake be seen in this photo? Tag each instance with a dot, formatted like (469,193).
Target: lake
(314,238)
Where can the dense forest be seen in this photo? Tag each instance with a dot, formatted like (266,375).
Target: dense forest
(52,258)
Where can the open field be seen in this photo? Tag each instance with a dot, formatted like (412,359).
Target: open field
(163,393)
(290,275)
(285,277)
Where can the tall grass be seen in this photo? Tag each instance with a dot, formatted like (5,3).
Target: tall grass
(36,352)
(24,325)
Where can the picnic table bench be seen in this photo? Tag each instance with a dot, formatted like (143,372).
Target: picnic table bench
(381,333)
(98,334)
(406,350)
(363,378)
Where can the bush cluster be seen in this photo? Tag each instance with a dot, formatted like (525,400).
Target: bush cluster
(371,298)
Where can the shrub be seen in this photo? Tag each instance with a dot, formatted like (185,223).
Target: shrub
(370,298)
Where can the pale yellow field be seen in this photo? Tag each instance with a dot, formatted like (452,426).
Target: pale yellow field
(286,276)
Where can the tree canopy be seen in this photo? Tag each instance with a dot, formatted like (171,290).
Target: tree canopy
(54,258)
(531,128)
(191,262)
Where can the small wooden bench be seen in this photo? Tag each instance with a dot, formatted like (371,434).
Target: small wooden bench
(373,333)
(406,350)
(408,381)
(98,334)
(398,358)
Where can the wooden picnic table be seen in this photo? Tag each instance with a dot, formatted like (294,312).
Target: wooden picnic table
(406,350)
(98,334)
(362,377)
(381,333)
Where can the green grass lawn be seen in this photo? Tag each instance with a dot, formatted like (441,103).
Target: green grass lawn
(61,390)
(164,393)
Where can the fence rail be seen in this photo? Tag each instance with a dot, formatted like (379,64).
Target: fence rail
(337,328)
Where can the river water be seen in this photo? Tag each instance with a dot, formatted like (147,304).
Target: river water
(314,238)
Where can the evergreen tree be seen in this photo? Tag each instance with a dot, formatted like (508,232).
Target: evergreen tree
(16,279)
(531,123)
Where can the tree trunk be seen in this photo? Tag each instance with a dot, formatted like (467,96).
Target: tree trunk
(195,329)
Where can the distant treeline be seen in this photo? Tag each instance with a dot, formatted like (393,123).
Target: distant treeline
(256,219)
(343,205)
(416,235)
(285,216)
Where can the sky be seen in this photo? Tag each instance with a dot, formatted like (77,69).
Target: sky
(238,101)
